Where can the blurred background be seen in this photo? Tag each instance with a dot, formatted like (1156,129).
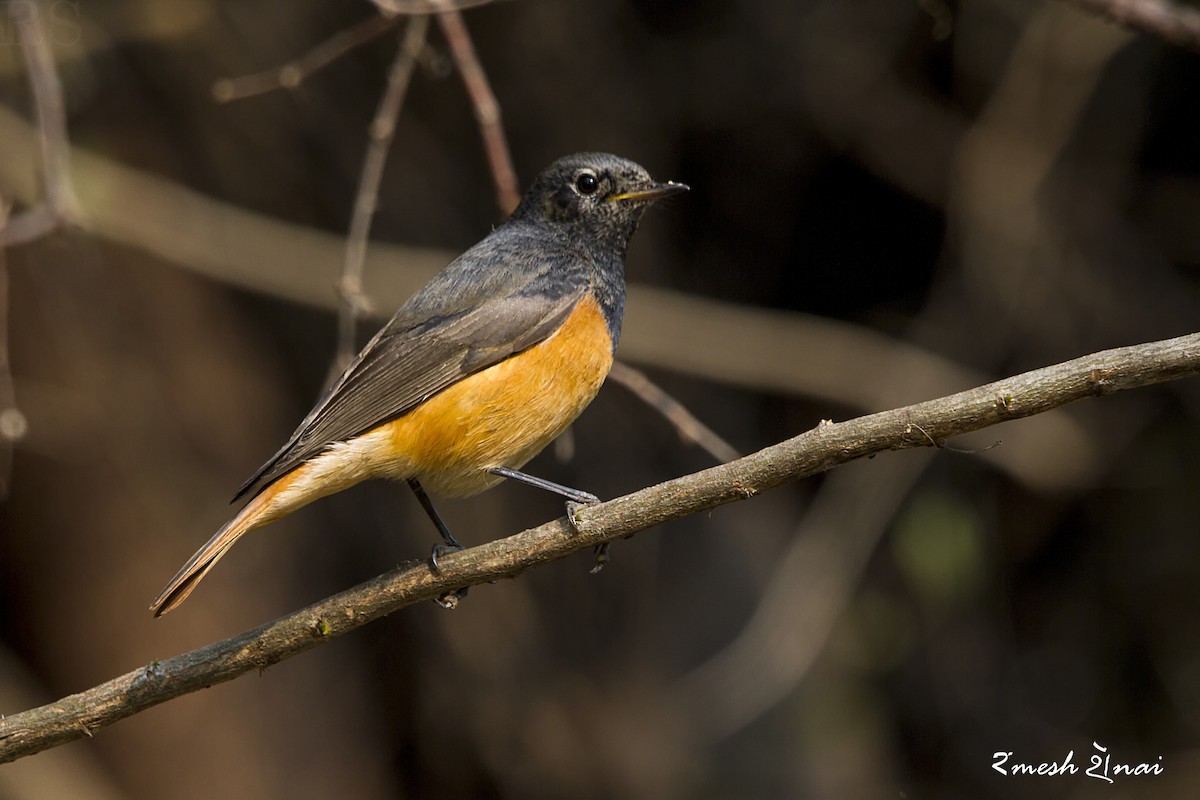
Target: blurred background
(891,201)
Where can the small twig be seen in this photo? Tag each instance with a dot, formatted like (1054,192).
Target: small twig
(59,204)
(487,108)
(690,429)
(1171,21)
(381,133)
(293,73)
(425,6)
(51,113)
(28,226)
(820,449)
(12,422)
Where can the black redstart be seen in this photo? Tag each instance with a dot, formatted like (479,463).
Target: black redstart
(478,371)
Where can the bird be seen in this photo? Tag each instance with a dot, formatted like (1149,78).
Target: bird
(478,371)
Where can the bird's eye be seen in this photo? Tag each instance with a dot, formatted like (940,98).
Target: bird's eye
(587,183)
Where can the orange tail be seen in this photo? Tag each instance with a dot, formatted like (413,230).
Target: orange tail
(205,558)
(340,467)
(260,511)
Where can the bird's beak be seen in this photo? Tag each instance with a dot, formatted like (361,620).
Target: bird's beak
(654,191)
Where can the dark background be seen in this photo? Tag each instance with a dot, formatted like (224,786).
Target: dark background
(941,193)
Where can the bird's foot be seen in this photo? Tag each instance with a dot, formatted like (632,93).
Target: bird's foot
(450,599)
(573,508)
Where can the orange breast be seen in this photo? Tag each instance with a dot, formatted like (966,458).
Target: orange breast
(503,415)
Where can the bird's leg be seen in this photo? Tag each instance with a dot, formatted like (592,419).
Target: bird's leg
(576,495)
(451,545)
(575,499)
(427,504)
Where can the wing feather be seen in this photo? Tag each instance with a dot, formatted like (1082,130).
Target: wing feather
(450,329)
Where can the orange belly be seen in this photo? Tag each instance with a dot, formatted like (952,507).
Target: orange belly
(501,416)
(506,414)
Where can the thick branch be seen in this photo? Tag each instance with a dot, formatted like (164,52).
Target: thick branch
(826,446)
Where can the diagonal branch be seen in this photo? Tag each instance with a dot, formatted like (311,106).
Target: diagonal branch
(826,446)
(294,72)
(483,99)
(690,429)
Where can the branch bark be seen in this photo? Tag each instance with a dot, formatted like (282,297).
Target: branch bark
(828,445)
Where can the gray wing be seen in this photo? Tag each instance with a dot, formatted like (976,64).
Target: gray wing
(450,329)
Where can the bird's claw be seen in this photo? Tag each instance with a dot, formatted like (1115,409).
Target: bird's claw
(450,599)
(440,550)
(574,507)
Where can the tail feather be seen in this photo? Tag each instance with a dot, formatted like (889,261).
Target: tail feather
(185,581)
(340,467)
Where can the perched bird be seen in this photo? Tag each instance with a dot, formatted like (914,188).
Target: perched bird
(478,371)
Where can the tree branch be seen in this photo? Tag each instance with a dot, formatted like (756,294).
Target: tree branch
(294,72)
(487,108)
(1168,20)
(826,446)
(380,135)
(690,429)
(59,203)
(12,422)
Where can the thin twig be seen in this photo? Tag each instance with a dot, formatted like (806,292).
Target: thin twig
(822,448)
(690,429)
(12,422)
(59,203)
(1168,20)
(425,6)
(487,109)
(51,113)
(293,73)
(381,133)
